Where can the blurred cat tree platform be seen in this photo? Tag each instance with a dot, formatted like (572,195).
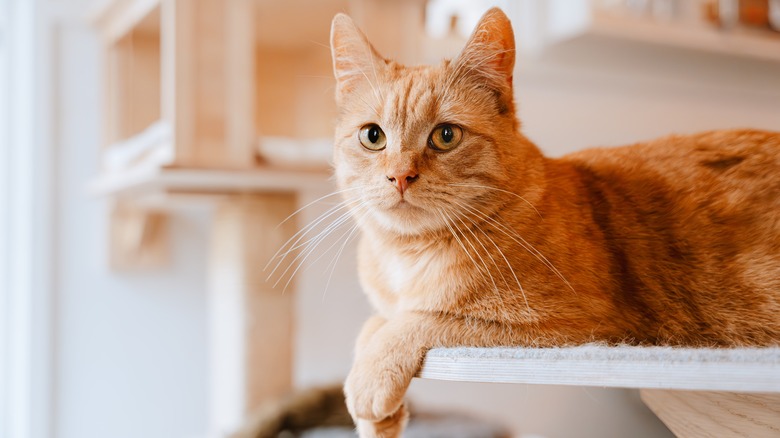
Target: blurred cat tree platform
(694,391)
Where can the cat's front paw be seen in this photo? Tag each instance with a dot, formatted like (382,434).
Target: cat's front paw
(373,393)
(391,427)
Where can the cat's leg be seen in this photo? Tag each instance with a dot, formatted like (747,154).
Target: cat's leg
(391,427)
(383,369)
(385,365)
(367,331)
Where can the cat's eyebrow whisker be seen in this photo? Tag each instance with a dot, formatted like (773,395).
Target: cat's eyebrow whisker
(498,190)
(317,43)
(373,67)
(314,77)
(374,89)
(372,108)
(474,60)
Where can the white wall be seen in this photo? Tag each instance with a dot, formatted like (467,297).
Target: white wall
(131,348)
(602,92)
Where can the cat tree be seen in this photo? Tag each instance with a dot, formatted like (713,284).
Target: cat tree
(203,106)
(217,103)
(186,106)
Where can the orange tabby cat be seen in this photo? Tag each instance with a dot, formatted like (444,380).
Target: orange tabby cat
(472,237)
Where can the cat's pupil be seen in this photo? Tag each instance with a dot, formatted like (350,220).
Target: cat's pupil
(373,134)
(447,134)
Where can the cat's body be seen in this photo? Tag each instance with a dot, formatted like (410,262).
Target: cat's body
(648,239)
(472,237)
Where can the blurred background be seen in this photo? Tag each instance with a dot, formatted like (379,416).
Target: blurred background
(149,150)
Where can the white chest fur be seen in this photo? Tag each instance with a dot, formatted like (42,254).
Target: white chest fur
(411,273)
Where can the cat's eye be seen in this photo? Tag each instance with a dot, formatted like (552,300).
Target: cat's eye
(372,137)
(445,137)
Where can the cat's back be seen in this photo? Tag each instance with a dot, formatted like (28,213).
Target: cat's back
(731,153)
(714,183)
(728,169)
(695,217)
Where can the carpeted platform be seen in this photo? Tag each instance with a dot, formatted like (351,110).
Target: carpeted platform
(717,369)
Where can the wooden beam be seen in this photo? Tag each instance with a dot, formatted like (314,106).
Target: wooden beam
(716,414)
(207,81)
(139,238)
(115,19)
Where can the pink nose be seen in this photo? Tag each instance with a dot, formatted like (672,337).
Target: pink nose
(402,179)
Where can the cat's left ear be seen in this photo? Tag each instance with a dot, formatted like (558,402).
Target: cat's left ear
(490,51)
(354,58)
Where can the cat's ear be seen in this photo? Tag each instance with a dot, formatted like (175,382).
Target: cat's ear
(354,58)
(490,51)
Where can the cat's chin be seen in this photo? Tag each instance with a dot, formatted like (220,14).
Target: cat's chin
(404,218)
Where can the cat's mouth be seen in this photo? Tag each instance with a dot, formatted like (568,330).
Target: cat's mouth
(404,208)
(403,204)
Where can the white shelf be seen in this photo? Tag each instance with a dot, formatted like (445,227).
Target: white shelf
(736,370)
(743,42)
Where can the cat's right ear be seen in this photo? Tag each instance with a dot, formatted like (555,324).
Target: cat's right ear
(490,51)
(354,58)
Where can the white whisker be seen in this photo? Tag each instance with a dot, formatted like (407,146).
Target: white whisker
(495,286)
(300,234)
(310,246)
(509,265)
(517,238)
(455,235)
(334,262)
(498,190)
(337,192)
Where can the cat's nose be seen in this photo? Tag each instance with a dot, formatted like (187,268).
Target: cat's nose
(402,179)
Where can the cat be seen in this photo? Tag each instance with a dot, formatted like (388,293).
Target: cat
(472,237)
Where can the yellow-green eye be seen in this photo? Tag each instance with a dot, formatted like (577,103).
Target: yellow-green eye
(445,137)
(372,137)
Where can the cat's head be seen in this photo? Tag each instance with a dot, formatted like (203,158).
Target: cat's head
(415,147)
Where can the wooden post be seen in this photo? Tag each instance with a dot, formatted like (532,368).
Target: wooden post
(207,81)
(251,321)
